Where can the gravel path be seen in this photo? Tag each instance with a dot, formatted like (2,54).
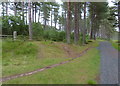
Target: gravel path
(109,63)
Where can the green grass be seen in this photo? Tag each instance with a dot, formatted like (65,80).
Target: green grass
(92,82)
(19,57)
(115,44)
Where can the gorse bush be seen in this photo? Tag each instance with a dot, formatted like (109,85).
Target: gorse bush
(49,34)
(54,35)
(37,31)
(61,36)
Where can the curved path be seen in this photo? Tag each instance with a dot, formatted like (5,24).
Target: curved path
(109,63)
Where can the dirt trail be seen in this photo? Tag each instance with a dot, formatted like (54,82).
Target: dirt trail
(69,51)
(42,69)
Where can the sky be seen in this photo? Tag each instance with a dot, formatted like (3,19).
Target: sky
(110,2)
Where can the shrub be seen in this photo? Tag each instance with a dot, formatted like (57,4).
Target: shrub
(37,31)
(90,41)
(51,35)
(61,36)
(91,82)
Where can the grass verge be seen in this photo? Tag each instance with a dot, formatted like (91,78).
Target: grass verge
(116,44)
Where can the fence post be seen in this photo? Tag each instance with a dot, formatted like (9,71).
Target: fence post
(14,35)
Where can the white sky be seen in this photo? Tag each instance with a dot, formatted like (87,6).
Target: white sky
(110,2)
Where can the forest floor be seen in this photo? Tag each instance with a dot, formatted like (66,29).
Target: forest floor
(109,63)
(24,56)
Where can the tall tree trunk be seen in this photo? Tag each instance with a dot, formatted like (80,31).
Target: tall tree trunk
(65,24)
(23,19)
(32,11)
(30,22)
(91,33)
(79,16)
(68,23)
(35,11)
(6,8)
(51,18)
(119,15)
(45,24)
(55,24)
(92,29)
(60,27)
(26,13)
(84,30)
(95,27)
(76,29)
(23,12)
(92,25)
(3,10)
(88,26)
(39,16)
(15,10)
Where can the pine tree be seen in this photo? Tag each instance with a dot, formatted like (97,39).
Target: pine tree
(76,29)
(68,23)
(84,30)
(30,22)
(119,15)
